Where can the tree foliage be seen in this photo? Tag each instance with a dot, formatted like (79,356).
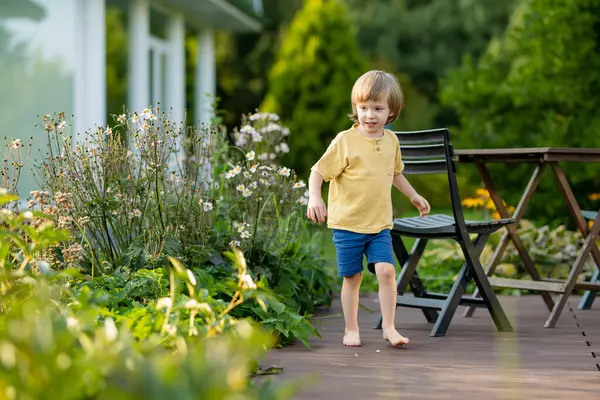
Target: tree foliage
(425,38)
(311,81)
(535,86)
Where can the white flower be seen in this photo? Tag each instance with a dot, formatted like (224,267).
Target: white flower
(285,131)
(191,277)
(250,156)
(237,169)
(229,174)
(245,235)
(3,191)
(302,201)
(247,129)
(15,144)
(164,302)
(191,304)
(240,187)
(62,125)
(253,168)
(247,193)
(284,148)
(254,185)
(108,131)
(110,329)
(241,140)
(247,281)
(299,184)
(122,118)
(277,149)
(207,206)
(72,323)
(234,243)
(256,137)
(134,119)
(284,172)
(137,213)
(263,156)
(129,154)
(272,156)
(28,215)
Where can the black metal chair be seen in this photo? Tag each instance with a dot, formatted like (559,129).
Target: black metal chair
(430,152)
(589,296)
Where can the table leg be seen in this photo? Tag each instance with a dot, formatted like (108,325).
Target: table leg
(576,269)
(574,207)
(511,230)
(588,246)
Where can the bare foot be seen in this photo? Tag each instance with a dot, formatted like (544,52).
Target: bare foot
(351,339)
(396,339)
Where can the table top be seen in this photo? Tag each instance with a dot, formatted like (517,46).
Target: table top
(530,154)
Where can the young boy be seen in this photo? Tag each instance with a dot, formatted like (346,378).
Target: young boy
(362,164)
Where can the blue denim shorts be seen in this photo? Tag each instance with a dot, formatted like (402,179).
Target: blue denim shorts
(351,246)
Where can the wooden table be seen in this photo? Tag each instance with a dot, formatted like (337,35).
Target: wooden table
(541,157)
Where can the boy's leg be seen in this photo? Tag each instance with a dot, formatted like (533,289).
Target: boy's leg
(350,292)
(386,277)
(349,249)
(380,256)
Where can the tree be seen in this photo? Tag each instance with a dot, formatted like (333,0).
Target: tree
(311,81)
(537,85)
(425,38)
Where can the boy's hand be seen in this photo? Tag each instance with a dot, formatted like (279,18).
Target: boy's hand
(316,210)
(421,204)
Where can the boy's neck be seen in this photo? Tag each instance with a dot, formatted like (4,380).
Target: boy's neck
(377,135)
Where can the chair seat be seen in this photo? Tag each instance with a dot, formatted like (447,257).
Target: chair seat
(442,225)
(590,214)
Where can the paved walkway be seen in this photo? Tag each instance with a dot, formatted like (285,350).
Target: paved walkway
(472,361)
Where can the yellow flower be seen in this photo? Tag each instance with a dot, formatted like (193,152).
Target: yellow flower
(482,192)
(595,196)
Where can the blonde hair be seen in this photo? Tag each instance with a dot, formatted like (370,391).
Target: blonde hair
(371,86)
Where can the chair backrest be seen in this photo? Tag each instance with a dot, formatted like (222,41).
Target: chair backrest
(430,152)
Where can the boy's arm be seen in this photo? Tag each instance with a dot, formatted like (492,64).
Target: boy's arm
(402,184)
(316,210)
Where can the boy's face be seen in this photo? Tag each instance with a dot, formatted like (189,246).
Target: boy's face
(373,115)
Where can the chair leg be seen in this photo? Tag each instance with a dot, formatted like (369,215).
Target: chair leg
(410,275)
(590,295)
(458,290)
(485,289)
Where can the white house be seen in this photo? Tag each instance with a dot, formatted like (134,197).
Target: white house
(53,58)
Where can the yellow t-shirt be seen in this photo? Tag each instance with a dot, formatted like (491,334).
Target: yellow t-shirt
(360,171)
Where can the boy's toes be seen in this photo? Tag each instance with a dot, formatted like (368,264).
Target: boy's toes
(351,339)
(396,339)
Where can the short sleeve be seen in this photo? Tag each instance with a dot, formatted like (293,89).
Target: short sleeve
(333,162)
(399,165)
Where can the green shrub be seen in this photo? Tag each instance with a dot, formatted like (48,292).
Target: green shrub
(58,340)
(534,87)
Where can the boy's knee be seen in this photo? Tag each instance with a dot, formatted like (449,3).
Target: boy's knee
(385,271)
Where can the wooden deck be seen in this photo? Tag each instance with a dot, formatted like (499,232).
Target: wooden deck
(473,360)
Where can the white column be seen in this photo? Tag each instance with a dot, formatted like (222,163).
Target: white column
(90,73)
(175,73)
(139,66)
(206,83)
